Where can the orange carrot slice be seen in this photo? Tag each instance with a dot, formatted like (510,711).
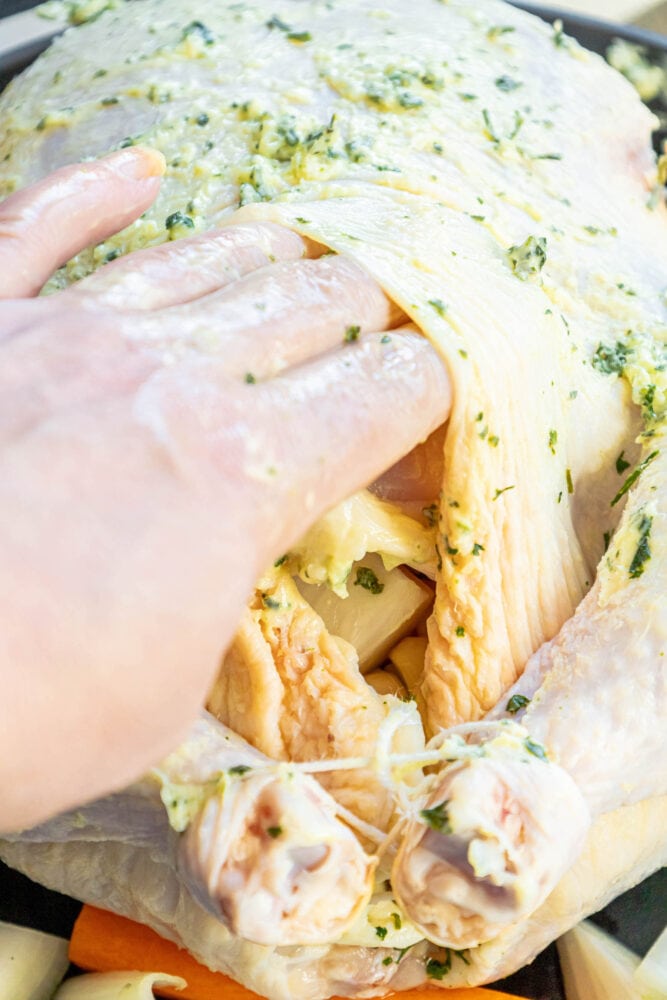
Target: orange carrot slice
(103,942)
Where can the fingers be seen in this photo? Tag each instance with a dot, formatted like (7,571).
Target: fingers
(278,316)
(44,225)
(351,414)
(187,269)
(282,452)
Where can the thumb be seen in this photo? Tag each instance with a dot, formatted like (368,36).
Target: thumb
(44,225)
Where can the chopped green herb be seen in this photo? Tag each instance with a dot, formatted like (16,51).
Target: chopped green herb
(528,258)
(460,631)
(367,579)
(270,602)
(611,360)
(507,84)
(621,464)
(239,769)
(648,399)
(398,923)
(202,119)
(450,550)
(197,28)
(519,121)
(643,552)
(274,831)
(281,560)
(249,378)
(299,36)
(408,100)
(516,703)
(431,514)
(352,334)
(633,477)
(387,961)
(497,30)
(438,305)
(553,439)
(385,339)
(381,932)
(568,481)
(490,132)
(275,22)
(536,749)
(300,219)
(437,817)
(112,255)
(438,970)
(499,493)
(477,548)
(559,37)
(178,219)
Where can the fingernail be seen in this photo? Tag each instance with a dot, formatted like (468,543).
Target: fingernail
(139,163)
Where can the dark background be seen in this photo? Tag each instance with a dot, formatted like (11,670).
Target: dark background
(8,7)
(636,918)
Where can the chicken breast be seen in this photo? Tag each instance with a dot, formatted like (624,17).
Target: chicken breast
(427,170)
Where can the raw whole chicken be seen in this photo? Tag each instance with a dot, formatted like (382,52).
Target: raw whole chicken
(496,181)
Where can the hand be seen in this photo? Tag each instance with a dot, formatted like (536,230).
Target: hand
(168,427)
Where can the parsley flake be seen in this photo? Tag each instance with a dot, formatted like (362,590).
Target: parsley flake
(177,219)
(643,551)
(367,579)
(621,464)
(633,477)
(611,360)
(516,703)
(528,258)
(499,492)
(438,970)
(536,749)
(507,84)
(438,305)
(437,817)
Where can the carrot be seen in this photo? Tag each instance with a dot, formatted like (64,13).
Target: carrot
(103,942)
